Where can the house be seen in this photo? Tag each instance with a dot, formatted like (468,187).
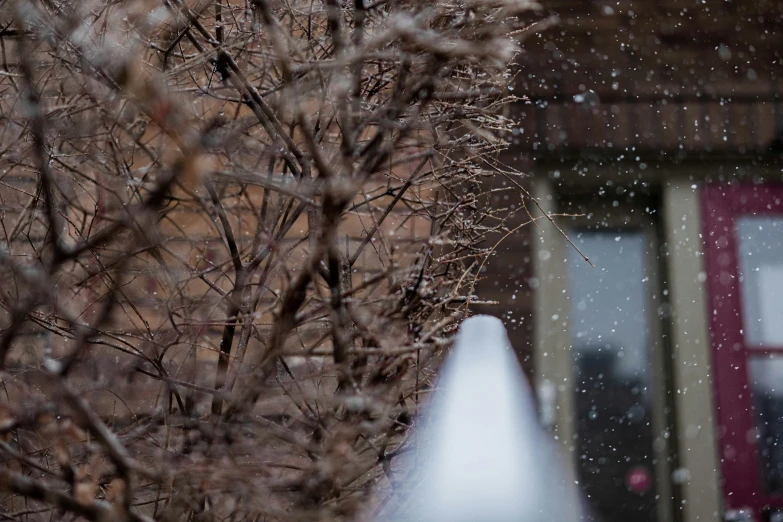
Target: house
(653,135)
(646,309)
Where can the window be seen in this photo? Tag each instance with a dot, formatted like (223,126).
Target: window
(744,249)
(600,353)
(611,334)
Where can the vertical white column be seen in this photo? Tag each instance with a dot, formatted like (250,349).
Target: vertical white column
(694,401)
(552,353)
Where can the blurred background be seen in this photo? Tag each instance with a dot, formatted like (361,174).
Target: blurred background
(658,127)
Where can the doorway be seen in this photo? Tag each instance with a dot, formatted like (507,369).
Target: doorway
(743,236)
(602,362)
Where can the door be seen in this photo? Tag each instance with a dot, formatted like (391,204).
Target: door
(743,236)
(609,374)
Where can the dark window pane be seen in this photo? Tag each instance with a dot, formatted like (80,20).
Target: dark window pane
(766,380)
(610,336)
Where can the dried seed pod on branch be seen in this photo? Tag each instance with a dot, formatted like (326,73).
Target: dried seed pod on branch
(236,236)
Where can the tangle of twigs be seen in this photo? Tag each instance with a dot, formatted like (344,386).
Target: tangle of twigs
(234,238)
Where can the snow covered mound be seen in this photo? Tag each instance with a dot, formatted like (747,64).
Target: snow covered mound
(482,456)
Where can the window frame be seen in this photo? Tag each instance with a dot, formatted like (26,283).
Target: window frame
(722,204)
(559,369)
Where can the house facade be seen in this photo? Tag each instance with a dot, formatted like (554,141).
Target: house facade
(652,135)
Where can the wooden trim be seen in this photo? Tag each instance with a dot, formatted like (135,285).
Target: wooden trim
(697,494)
(722,205)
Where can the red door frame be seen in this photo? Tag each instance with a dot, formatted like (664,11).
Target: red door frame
(722,204)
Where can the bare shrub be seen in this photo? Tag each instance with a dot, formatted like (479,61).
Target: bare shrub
(235,238)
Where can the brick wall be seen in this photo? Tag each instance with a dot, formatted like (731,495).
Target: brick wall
(664,75)
(617,79)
